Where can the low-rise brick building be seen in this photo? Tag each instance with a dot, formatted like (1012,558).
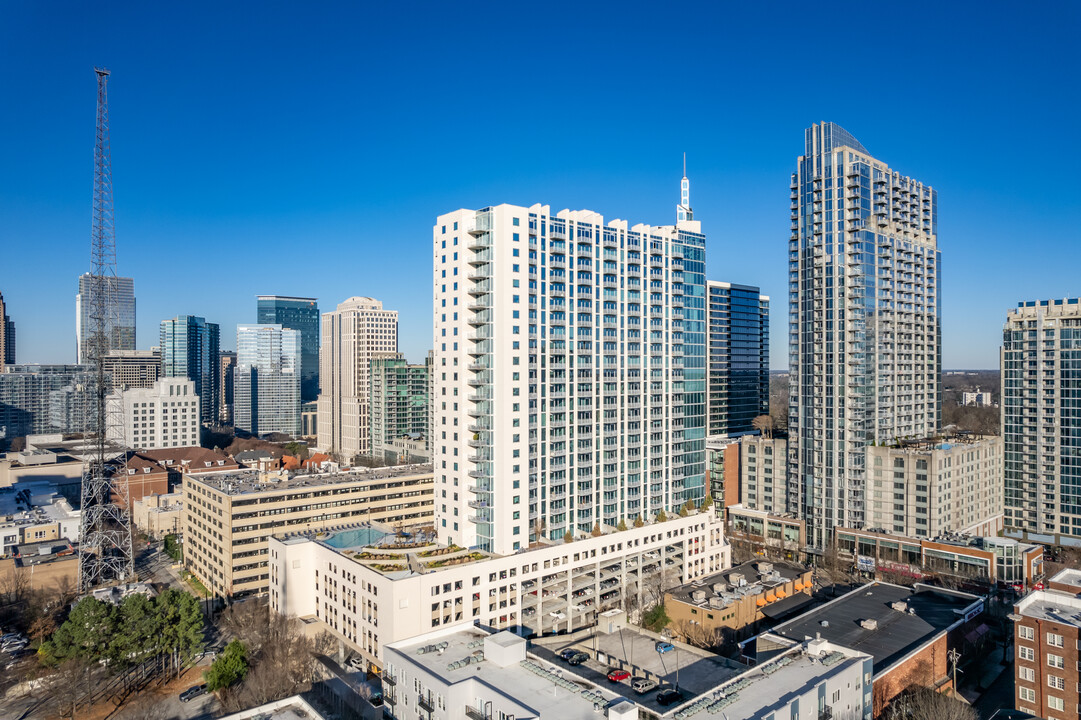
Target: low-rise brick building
(1047,635)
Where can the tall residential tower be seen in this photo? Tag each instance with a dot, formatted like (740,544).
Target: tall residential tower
(1041,421)
(353,334)
(864,323)
(302,315)
(569,372)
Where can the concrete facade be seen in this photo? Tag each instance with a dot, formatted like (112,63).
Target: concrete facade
(372,596)
(569,372)
(1041,421)
(166,415)
(931,488)
(354,333)
(227,517)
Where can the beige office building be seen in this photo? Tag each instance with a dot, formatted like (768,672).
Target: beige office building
(932,488)
(358,330)
(762,465)
(228,517)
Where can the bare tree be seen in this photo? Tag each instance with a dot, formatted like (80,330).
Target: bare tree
(923,703)
(763,424)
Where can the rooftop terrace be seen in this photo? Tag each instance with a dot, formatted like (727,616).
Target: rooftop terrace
(247,482)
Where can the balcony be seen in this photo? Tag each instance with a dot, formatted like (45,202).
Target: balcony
(426,704)
(474,714)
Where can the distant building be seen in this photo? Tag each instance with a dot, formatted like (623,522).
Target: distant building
(729,605)
(189,349)
(929,488)
(41,399)
(1047,636)
(165,415)
(978,398)
(231,560)
(357,331)
(132,369)
(908,631)
(7,337)
(228,370)
(737,355)
(266,390)
(988,560)
(1041,425)
(399,403)
(309,417)
(157,514)
(120,335)
(302,315)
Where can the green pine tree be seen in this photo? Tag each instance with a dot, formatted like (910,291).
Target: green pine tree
(230,667)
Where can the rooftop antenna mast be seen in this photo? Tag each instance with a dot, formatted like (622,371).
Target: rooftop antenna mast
(105,548)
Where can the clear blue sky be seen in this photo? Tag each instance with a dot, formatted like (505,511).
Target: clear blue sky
(306,148)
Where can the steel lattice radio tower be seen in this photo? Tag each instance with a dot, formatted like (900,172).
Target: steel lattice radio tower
(105,548)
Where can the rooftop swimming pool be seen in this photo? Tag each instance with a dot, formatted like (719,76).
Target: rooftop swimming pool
(357,537)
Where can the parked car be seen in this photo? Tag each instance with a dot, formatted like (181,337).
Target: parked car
(566,653)
(558,615)
(669,697)
(643,685)
(356,663)
(617,675)
(8,637)
(577,658)
(663,647)
(193,692)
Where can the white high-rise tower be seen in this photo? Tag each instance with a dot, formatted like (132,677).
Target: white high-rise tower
(569,375)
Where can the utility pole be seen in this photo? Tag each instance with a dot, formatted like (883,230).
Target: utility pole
(954,657)
(105,547)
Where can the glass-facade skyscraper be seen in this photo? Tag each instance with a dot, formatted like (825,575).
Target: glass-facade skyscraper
(120,330)
(570,372)
(266,380)
(738,355)
(302,315)
(189,348)
(864,325)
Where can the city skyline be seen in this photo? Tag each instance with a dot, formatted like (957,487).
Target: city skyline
(222,193)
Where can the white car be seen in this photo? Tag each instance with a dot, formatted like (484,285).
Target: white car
(356,663)
(558,615)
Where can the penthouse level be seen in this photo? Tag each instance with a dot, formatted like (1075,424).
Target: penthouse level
(227,517)
(369,590)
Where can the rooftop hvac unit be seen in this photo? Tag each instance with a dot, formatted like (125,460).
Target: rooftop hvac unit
(869,624)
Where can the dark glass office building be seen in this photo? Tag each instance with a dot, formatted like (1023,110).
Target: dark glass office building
(738,354)
(302,315)
(189,348)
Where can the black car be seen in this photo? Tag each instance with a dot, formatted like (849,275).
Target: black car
(577,658)
(566,653)
(669,697)
(193,692)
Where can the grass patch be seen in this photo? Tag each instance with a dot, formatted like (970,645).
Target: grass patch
(198,587)
(655,618)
